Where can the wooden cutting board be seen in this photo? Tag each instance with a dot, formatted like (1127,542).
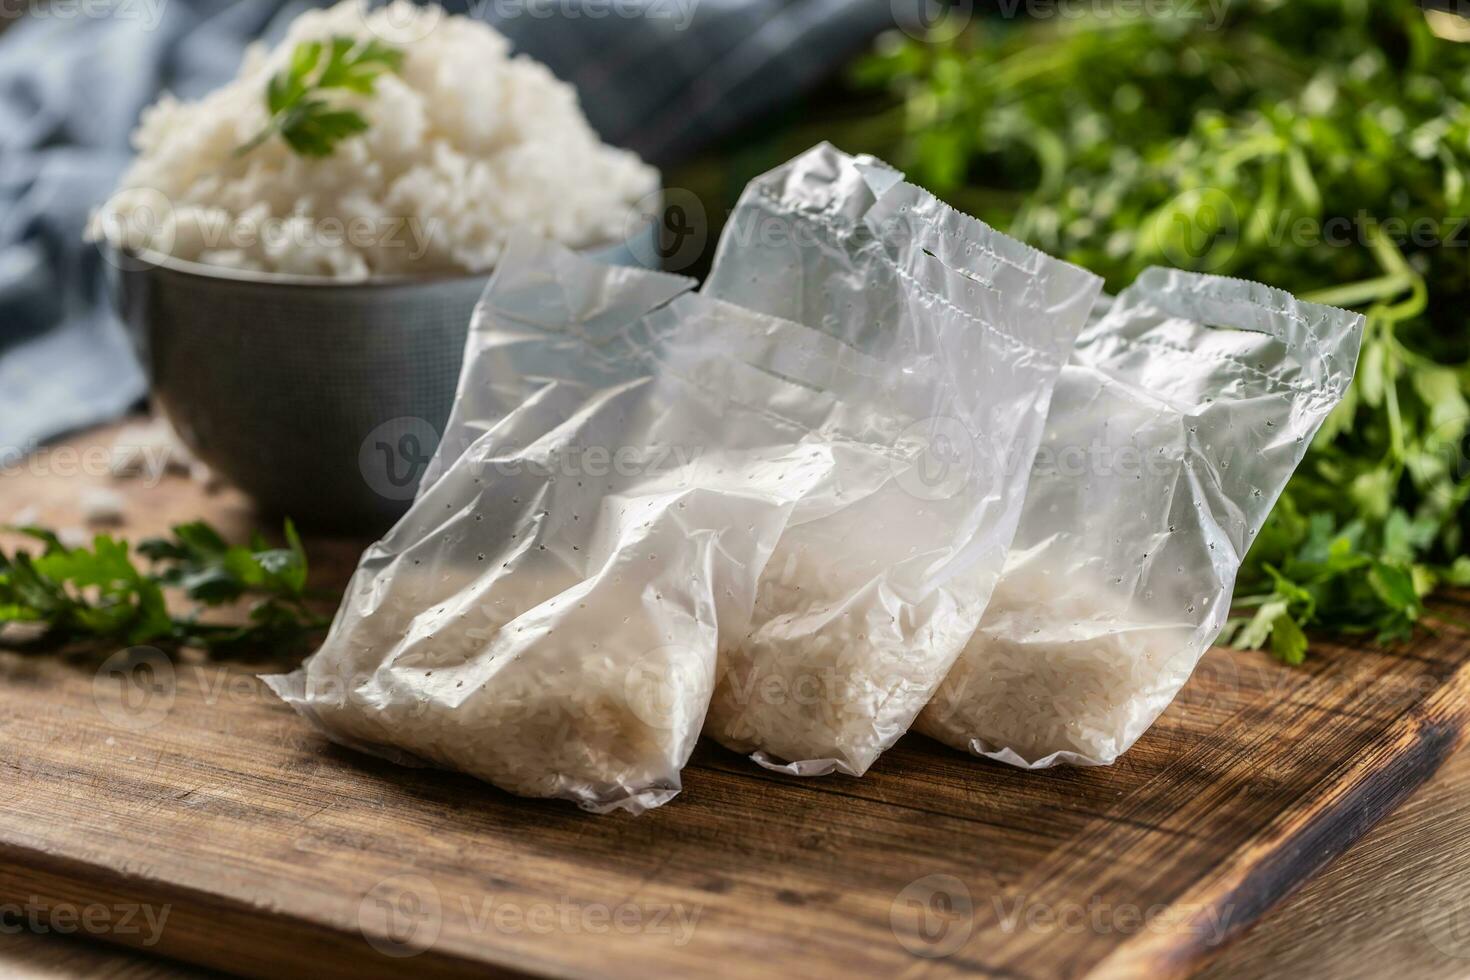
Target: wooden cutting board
(206,821)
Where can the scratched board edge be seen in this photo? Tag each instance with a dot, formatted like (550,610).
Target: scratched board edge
(1325,834)
(320,949)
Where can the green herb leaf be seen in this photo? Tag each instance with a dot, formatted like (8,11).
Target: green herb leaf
(1288,642)
(100,593)
(300,116)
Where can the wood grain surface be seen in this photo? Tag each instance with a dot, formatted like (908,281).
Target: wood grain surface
(189,796)
(1397,903)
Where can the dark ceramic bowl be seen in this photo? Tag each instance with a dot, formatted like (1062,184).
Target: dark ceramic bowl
(322,400)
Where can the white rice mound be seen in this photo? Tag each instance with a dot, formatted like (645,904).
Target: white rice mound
(840,657)
(510,688)
(1060,664)
(464,143)
(809,683)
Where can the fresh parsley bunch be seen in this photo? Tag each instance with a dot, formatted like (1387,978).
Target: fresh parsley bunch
(1321,146)
(298,112)
(101,593)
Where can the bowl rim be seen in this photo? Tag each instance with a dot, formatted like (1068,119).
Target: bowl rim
(203,270)
(155,260)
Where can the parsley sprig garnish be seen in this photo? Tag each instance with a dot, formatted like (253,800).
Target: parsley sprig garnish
(298,112)
(100,593)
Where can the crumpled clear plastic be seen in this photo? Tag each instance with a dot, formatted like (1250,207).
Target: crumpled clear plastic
(868,598)
(1172,431)
(547,614)
(548,327)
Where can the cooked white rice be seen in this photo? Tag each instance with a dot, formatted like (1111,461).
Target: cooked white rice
(464,143)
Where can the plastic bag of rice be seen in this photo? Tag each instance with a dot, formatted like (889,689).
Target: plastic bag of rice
(460,142)
(546,615)
(547,333)
(1180,417)
(872,592)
